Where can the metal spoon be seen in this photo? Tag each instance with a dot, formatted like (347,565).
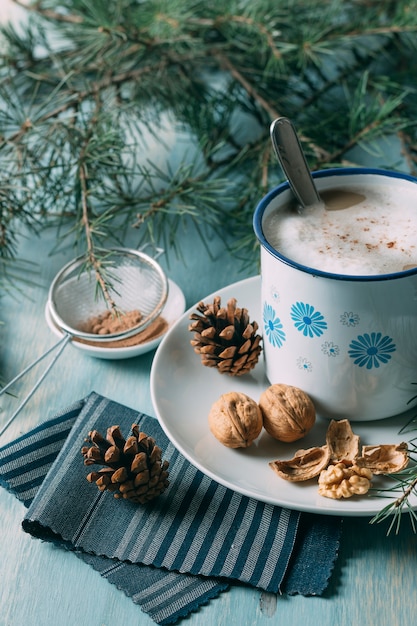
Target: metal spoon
(293,162)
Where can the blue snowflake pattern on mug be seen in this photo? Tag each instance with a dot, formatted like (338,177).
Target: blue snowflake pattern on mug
(308,321)
(350,319)
(273,326)
(304,364)
(371,350)
(330,349)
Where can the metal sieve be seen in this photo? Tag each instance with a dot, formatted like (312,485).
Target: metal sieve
(134,280)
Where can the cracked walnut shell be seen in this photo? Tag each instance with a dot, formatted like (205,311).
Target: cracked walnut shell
(342,442)
(304,465)
(235,420)
(288,412)
(342,471)
(384,458)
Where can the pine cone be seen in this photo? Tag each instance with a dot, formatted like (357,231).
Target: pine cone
(225,338)
(133,467)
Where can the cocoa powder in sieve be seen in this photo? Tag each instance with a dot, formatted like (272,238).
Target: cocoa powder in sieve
(107,323)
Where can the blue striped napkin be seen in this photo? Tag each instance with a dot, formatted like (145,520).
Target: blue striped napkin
(199,536)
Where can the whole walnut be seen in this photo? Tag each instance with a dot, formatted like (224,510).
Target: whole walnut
(288,412)
(235,420)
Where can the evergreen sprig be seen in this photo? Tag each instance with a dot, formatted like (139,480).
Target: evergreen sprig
(87,82)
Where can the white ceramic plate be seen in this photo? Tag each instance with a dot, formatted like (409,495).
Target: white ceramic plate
(173,309)
(183,391)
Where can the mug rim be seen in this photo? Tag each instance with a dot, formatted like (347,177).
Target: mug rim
(343,171)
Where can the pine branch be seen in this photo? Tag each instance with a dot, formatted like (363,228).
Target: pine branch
(395,510)
(227,65)
(49,14)
(219,73)
(92,258)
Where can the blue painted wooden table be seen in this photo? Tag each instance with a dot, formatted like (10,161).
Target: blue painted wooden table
(374,579)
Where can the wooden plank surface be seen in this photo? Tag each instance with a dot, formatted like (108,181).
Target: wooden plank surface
(374,579)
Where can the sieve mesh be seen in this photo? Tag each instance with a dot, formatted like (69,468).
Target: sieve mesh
(136,282)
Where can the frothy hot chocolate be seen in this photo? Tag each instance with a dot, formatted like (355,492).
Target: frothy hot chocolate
(365,229)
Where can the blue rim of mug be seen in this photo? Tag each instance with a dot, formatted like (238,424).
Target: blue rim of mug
(345,171)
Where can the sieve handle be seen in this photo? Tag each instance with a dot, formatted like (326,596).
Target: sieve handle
(61,344)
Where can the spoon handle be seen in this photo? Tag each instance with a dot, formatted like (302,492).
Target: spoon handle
(293,162)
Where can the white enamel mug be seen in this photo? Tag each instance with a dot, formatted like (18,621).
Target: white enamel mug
(349,341)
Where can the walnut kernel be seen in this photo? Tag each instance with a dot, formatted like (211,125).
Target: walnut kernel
(235,420)
(288,412)
(343,481)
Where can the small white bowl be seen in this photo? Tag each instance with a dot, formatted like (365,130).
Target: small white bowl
(173,309)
